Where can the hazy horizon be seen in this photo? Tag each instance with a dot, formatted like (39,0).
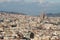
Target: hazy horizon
(30,7)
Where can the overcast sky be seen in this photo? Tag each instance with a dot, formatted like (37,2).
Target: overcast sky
(30,6)
(29,1)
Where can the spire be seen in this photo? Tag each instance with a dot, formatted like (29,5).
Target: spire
(43,15)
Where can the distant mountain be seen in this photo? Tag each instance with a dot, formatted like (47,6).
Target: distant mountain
(48,14)
(53,14)
(11,12)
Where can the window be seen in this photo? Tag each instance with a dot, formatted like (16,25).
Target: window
(32,35)
(13,25)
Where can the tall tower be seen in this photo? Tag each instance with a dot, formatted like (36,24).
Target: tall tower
(43,16)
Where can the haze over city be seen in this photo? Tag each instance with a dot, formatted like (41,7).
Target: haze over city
(29,19)
(30,7)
